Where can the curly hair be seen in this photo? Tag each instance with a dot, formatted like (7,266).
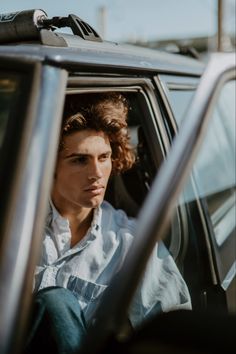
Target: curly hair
(105,112)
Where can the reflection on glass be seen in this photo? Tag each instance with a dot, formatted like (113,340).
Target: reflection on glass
(180,100)
(215,167)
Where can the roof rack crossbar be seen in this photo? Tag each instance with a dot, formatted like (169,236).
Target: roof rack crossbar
(77,25)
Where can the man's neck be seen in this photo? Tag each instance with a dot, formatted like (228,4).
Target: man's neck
(79,225)
(79,219)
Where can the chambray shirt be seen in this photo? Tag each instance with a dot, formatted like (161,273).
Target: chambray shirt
(87,268)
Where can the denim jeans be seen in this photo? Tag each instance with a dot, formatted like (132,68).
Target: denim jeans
(58,325)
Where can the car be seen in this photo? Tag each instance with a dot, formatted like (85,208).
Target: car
(181,189)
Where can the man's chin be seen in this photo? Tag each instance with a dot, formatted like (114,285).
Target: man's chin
(94,202)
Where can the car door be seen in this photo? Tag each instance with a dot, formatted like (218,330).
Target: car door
(156,212)
(213,181)
(29,128)
(215,177)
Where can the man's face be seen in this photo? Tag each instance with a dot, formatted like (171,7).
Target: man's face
(83,169)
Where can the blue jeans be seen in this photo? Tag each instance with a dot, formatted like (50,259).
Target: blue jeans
(58,325)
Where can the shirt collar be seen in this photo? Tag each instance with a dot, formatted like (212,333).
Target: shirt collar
(54,217)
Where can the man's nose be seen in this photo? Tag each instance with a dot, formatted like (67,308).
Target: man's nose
(95,171)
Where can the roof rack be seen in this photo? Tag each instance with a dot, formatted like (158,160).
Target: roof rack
(30,24)
(189,51)
(77,25)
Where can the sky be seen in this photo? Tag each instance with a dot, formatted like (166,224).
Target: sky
(137,19)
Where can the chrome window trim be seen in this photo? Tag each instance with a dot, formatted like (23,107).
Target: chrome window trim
(181,87)
(93,81)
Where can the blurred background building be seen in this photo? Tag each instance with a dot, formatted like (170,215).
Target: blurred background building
(222,39)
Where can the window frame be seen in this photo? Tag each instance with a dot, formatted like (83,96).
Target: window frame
(167,82)
(216,260)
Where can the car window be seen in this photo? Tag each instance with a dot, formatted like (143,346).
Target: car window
(215,168)
(8,90)
(210,200)
(180,100)
(179,91)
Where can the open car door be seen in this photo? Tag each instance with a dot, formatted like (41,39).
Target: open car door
(155,215)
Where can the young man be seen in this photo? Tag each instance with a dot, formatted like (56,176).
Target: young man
(86,239)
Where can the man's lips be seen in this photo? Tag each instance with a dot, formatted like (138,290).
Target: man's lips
(95,189)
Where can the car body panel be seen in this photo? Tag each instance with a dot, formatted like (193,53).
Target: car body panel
(107,56)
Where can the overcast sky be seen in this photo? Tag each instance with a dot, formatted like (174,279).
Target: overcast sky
(132,19)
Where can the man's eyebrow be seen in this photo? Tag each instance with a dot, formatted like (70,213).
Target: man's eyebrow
(76,154)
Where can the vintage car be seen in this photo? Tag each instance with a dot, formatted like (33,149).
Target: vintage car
(181,189)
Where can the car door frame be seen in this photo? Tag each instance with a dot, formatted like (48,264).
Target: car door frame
(214,280)
(26,191)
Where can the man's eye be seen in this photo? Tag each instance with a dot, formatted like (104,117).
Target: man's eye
(81,160)
(104,157)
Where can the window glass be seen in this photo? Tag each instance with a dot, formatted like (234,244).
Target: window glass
(215,167)
(180,100)
(8,88)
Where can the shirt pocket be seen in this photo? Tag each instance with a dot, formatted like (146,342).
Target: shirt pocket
(84,290)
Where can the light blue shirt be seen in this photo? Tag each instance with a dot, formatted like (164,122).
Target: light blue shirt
(87,268)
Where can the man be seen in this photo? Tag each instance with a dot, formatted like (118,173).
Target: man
(86,239)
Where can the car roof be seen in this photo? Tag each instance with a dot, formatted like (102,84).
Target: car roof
(110,56)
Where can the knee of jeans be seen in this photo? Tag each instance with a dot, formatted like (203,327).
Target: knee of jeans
(60,303)
(55,297)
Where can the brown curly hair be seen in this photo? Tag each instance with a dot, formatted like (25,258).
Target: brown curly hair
(105,112)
